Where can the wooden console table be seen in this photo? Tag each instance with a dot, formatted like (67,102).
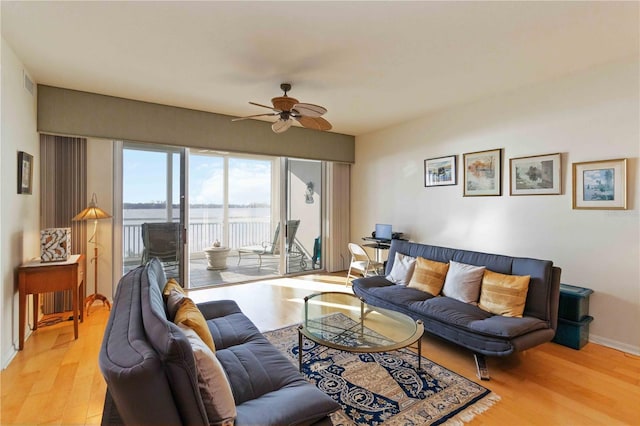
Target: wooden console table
(36,277)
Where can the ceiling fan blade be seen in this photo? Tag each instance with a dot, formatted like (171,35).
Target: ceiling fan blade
(309,110)
(316,123)
(271,114)
(283,103)
(281,125)
(264,106)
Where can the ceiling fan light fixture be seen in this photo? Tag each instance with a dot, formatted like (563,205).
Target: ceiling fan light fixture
(288,109)
(282,125)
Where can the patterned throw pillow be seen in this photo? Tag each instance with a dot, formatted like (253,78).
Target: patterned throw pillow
(504,294)
(429,276)
(402,270)
(213,383)
(190,316)
(463,282)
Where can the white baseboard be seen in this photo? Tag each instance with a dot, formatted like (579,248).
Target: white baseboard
(630,349)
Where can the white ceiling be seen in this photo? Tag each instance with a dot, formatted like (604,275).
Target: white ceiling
(371,64)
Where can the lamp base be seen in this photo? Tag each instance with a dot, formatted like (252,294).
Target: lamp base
(96,296)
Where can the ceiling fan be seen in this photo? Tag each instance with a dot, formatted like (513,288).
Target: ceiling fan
(287,109)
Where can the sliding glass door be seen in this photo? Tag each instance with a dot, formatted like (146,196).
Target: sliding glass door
(218,218)
(153,207)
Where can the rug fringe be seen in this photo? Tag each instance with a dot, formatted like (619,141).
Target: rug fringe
(469,413)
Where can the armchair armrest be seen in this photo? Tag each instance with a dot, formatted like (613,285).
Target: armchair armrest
(218,308)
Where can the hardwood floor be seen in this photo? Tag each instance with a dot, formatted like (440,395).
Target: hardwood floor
(56,380)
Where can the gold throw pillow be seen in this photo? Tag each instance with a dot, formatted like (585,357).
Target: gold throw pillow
(429,275)
(189,315)
(504,294)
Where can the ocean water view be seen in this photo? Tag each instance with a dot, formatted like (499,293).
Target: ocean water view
(198,215)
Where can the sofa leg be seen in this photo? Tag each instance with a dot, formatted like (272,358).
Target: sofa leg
(481,366)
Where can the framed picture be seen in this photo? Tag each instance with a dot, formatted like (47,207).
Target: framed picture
(600,185)
(537,175)
(25,173)
(440,171)
(483,173)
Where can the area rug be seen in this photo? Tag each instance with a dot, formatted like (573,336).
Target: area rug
(386,387)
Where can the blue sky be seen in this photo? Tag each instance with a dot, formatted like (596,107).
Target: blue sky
(145,178)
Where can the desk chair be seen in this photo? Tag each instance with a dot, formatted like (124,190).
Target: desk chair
(361,263)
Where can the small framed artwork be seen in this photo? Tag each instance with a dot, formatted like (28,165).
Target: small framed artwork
(440,171)
(600,185)
(25,173)
(483,173)
(536,175)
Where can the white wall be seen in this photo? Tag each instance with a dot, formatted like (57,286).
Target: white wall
(100,181)
(19,214)
(593,115)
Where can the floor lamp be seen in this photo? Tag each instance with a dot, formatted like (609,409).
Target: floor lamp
(93,212)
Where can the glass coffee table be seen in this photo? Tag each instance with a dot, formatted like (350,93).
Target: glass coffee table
(344,321)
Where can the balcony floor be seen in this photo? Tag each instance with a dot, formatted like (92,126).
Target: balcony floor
(248,270)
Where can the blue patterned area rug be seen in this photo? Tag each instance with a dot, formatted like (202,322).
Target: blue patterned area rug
(385,387)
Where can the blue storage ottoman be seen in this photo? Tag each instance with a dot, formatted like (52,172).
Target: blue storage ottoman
(573,334)
(574,302)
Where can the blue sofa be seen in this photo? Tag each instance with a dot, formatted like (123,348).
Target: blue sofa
(465,324)
(151,373)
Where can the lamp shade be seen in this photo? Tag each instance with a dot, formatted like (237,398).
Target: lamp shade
(93,212)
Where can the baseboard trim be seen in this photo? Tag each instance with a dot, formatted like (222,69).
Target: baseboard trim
(630,349)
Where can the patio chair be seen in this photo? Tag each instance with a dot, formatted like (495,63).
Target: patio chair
(272,248)
(361,263)
(162,240)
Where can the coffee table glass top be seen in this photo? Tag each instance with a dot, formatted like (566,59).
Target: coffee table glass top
(343,321)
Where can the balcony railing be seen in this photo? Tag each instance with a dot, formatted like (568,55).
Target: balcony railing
(202,235)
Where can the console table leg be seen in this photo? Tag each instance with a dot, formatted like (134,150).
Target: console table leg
(420,353)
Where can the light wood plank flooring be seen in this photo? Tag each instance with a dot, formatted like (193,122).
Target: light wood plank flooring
(56,380)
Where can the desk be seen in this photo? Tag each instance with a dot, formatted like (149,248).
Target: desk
(36,277)
(378,246)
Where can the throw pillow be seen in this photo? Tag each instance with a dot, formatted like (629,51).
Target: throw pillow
(173,302)
(171,284)
(189,315)
(463,282)
(429,276)
(402,270)
(213,383)
(504,294)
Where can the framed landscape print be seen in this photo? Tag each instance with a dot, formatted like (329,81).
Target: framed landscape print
(483,173)
(537,175)
(25,173)
(440,171)
(600,185)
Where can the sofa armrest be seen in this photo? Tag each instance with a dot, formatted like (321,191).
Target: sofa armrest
(218,308)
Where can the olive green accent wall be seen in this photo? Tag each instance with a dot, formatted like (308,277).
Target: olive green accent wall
(76,113)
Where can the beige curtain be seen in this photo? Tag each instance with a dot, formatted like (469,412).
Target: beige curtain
(337,253)
(63,177)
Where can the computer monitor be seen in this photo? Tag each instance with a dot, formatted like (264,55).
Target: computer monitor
(383,231)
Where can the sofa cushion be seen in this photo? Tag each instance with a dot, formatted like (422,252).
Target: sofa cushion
(212,381)
(503,294)
(429,276)
(472,318)
(463,282)
(403,269)
(189,315)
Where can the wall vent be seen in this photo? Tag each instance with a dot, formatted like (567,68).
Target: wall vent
(28,83)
